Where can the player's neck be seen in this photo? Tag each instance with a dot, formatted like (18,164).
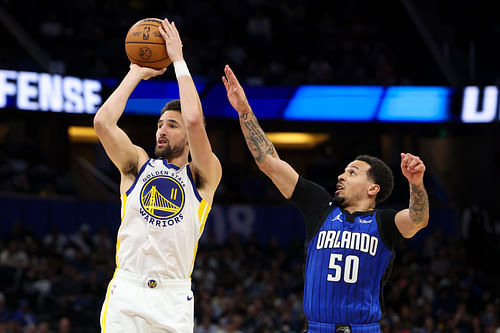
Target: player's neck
(179,160)
(361,206)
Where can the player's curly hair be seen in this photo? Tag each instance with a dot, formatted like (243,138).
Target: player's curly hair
(381,174)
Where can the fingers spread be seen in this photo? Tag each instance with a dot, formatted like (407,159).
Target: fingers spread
(168,28)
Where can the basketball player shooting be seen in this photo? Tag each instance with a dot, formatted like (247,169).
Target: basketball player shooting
(349,243)
(165,203)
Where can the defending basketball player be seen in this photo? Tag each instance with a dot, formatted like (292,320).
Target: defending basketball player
(349,242)
(165,203)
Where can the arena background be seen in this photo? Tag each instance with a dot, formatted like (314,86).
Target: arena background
(59,192)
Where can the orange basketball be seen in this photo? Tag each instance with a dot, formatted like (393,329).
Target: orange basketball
(145,46)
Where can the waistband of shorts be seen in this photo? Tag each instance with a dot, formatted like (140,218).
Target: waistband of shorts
(357,328)
(152,281)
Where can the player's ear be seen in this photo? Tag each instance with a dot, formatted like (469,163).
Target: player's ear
(373,189)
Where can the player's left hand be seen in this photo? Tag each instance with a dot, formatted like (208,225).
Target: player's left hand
(413,168)
(172,39)
(235,93)
(146,72)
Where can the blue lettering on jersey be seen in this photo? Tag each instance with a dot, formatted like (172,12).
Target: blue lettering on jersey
(160,223)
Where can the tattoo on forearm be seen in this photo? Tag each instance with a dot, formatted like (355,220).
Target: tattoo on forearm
(257,141)
(419,204)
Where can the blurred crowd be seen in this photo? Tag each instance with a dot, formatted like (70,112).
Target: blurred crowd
(283,42)
(24,169)
(53,282)
(57,283)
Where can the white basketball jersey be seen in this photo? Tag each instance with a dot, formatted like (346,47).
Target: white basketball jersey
(163,217)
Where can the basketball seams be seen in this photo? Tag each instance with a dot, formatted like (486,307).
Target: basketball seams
(144,43)
(146,24)
(149,62)
(148,52)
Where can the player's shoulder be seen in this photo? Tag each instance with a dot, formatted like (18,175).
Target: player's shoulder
(386,221)
(386,214)
(311,186)
(142,154)
(132,167)
(211,172)
(142,157)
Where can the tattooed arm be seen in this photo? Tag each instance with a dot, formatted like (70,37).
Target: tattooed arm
(409,221)
(280,172)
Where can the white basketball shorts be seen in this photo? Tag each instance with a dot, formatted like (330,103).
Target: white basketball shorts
(147,305)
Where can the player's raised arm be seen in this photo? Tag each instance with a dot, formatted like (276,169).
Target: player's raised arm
(263,151)
(204,163)
(125,155)
(409,221)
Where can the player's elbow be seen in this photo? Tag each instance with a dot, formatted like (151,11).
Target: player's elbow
(192,114)
(194,121)
(416,228)
(424,223)
(101,123)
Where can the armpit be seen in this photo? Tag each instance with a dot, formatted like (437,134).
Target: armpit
(131,170)
(198,180)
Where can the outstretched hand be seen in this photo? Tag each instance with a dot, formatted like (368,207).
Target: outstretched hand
(413,168)
(147,72)
(235,93)
(173,41)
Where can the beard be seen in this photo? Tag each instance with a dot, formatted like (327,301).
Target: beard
(168,151)
(339,201)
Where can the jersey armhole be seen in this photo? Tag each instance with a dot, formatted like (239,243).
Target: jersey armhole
(317,226)
(136,178)
(195,190)
(389,234)
(315,204)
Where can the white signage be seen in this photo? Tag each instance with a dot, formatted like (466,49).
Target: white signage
(480,111)
(49,92)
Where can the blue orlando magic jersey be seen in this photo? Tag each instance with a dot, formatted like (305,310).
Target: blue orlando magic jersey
(344,268)
(348,257)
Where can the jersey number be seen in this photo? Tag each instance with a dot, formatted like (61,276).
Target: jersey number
(351,268)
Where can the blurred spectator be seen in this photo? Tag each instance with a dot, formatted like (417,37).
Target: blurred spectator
(81,240)
(64,325)
(24,316)
(55,240)
(5,314)
(43,327)
(206,326)
(13,261)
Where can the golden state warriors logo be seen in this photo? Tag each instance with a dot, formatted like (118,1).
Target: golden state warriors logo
(162,197)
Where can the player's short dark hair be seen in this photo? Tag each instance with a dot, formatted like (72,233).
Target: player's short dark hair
(174,105)
(381,174)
